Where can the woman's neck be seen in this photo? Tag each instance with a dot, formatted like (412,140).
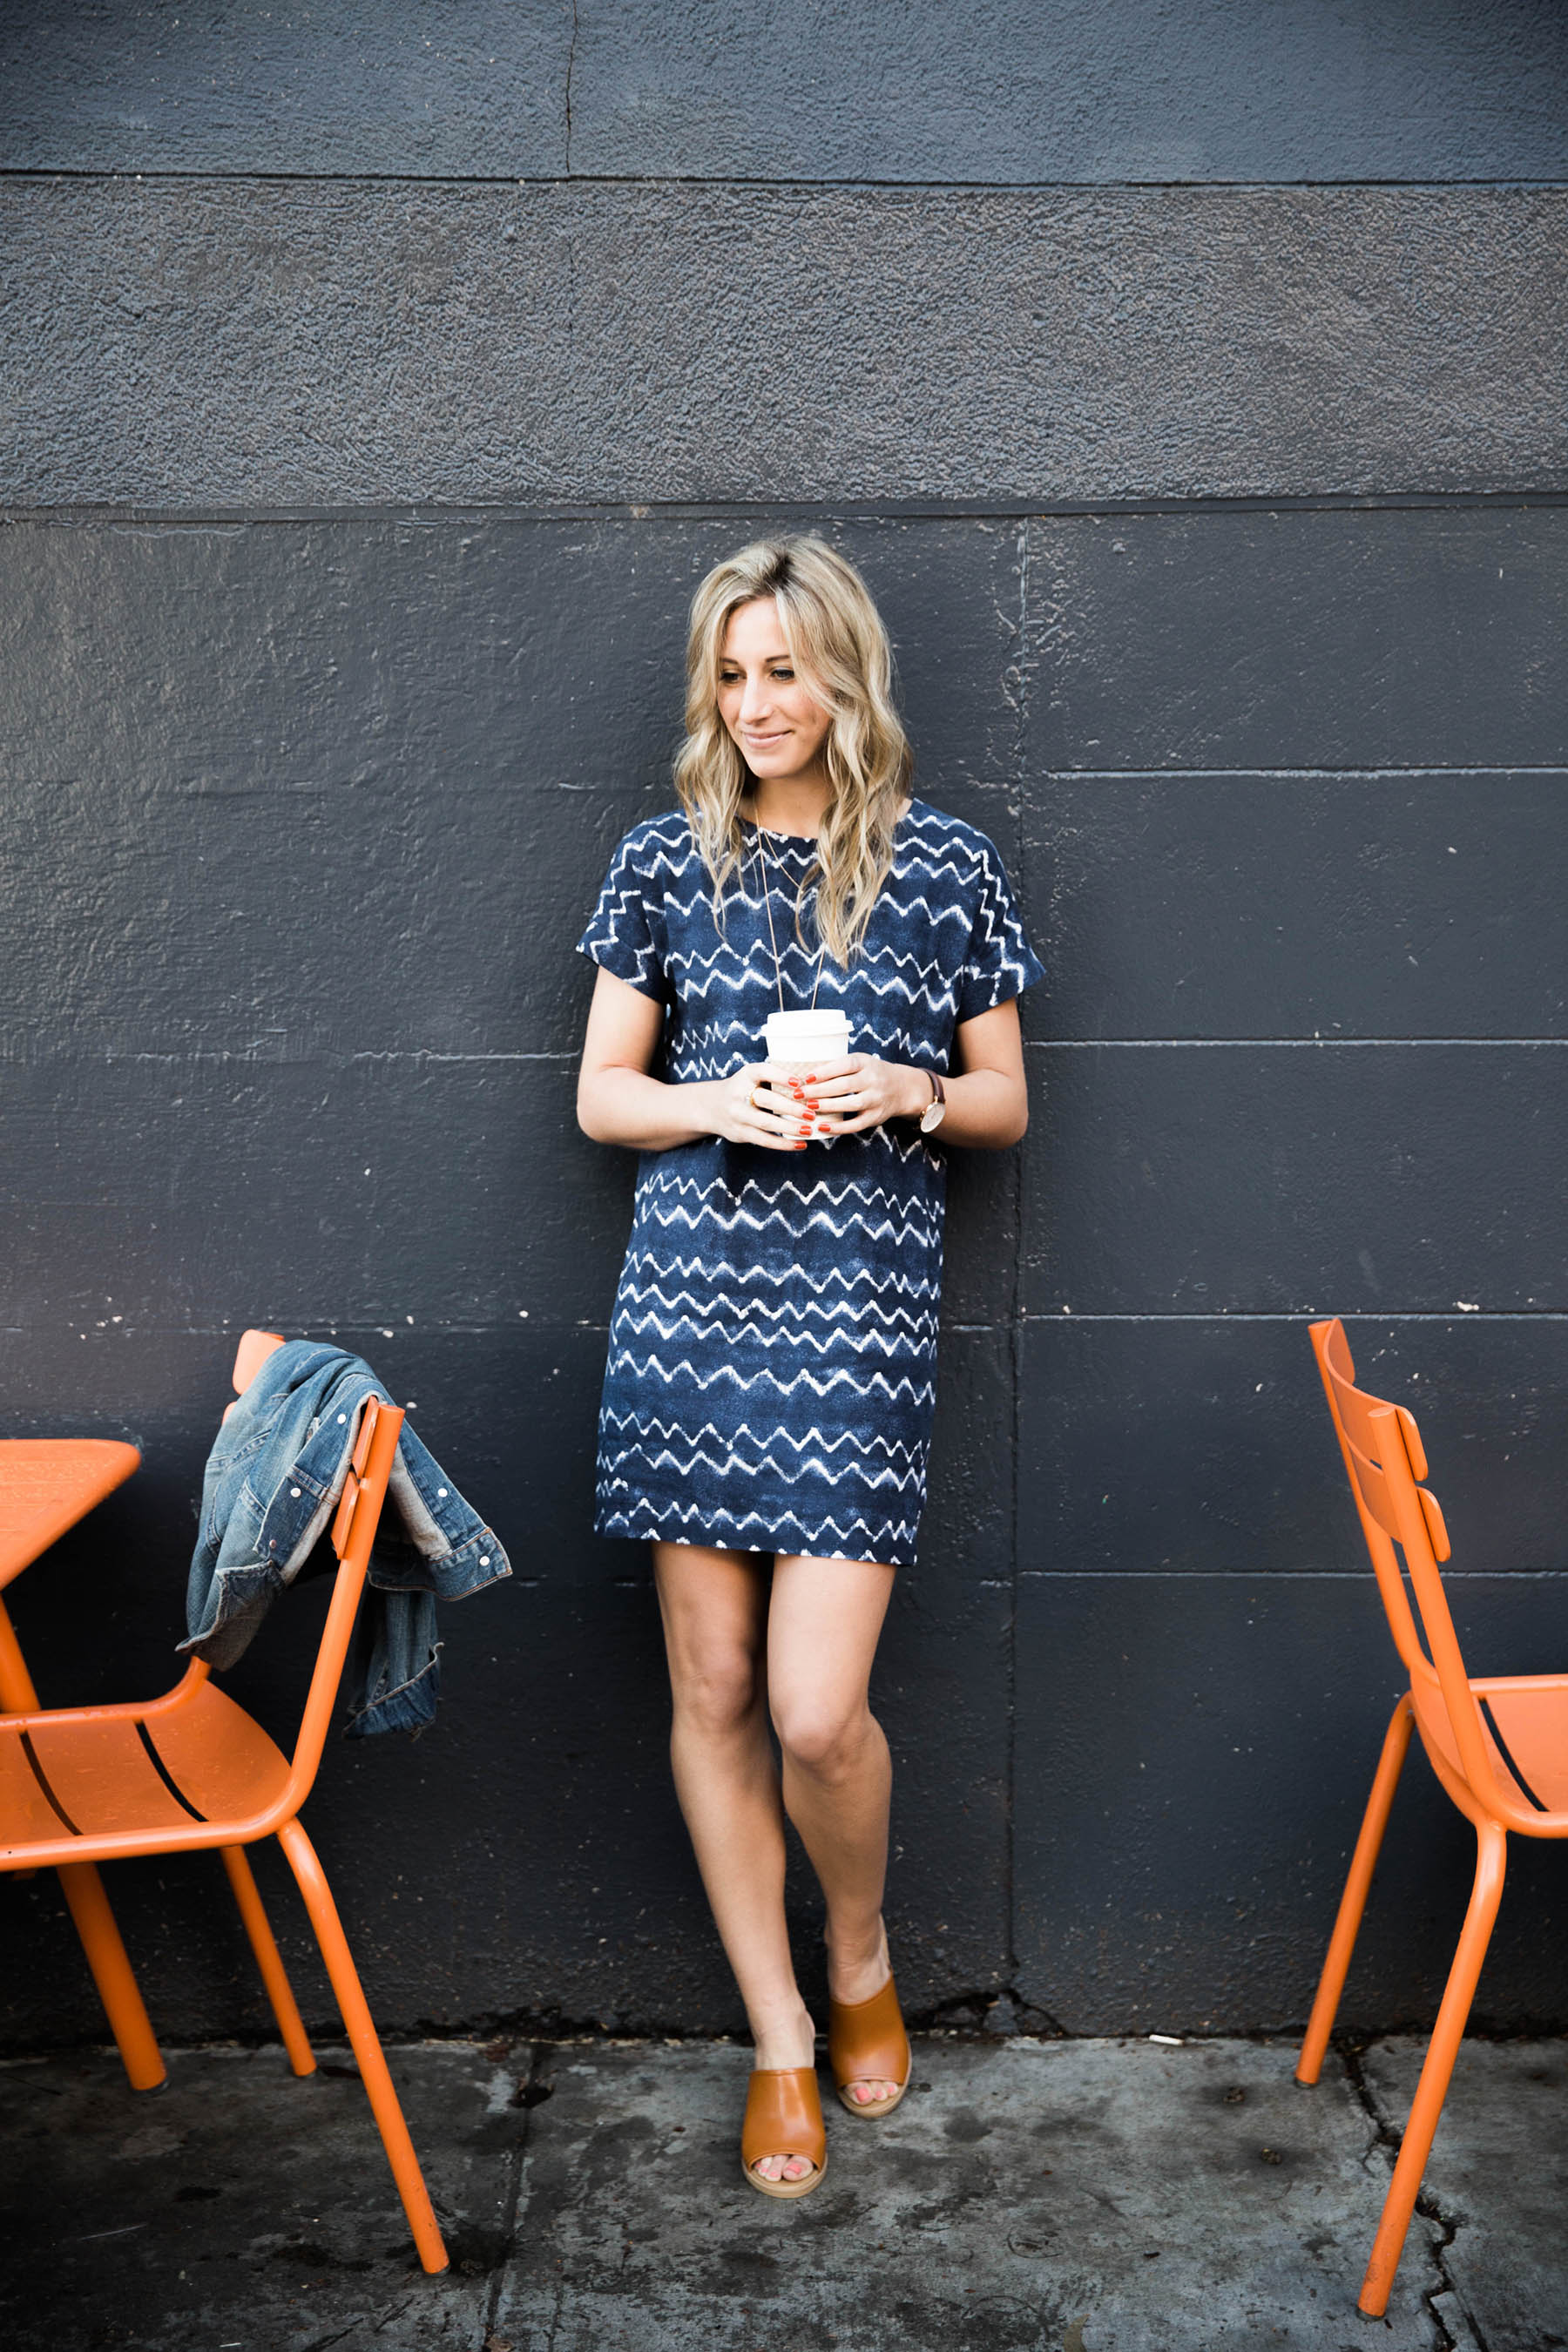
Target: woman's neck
(788,804)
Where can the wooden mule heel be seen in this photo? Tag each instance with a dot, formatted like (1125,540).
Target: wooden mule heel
(866,2042)
(783,2118)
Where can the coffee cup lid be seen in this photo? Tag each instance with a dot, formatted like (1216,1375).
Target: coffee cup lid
(827,1023)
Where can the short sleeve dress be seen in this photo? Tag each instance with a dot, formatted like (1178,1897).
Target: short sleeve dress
(772,1365)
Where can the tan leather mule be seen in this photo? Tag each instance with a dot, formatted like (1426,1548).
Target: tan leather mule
(783,2118)
(866,2042)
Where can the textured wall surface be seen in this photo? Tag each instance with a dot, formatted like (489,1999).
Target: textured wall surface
(994,92)
(278,342)
(352,505)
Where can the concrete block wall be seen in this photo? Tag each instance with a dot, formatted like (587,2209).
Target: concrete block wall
(1190,385)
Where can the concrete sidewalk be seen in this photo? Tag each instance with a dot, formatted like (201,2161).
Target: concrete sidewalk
(1027,2197)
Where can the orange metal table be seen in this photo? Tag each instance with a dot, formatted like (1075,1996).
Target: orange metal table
(47,1485)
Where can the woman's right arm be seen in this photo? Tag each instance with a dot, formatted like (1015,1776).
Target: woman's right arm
(619,1102)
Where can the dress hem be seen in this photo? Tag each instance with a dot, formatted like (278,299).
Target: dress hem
(675,1524)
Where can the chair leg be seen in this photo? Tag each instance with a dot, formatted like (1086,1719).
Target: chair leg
(367,2047)
(117,1988)
(1352,1902)
(269,1959)
(1491,1860)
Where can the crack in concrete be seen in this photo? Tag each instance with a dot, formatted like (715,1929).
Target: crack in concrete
(559,2306)
(513,2196)
(324,2343)
(1004,2013)
(1386,2139)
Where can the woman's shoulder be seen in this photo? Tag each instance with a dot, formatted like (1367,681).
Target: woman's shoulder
(659,845)
(947,844)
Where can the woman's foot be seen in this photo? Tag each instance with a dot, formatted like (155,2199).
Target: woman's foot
(855,1971)
(790,2043)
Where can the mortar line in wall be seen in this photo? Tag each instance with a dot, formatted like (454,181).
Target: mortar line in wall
(1251,1044)
(1067,1315)
(1285,1575)
(849,507)
(184,1056)
(431,1054)
(1298,775)
(342,1327)
(1019,664)
(260,175)
(570,65)
(176,1057)
(432,1327)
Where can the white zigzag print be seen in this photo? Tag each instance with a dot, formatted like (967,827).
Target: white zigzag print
(814,1438)
(694,1268)
(900,1324)
(771,1371)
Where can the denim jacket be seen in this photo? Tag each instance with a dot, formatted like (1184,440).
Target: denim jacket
(273,1480)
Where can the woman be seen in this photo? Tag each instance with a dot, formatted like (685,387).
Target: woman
(768,1395)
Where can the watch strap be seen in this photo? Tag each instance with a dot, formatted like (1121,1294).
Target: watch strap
(931,1117)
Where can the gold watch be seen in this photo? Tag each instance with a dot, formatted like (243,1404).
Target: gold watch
(935,1110)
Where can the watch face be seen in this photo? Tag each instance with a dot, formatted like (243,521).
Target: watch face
(932,1117)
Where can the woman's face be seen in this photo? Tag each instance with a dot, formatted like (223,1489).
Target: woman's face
(779,726)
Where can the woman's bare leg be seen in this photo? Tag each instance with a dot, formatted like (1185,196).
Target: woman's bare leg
(715,1609)
(823,1626)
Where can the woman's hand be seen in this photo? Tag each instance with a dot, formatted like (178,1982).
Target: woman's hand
(619,1102)
(746,1110)
(847,1097)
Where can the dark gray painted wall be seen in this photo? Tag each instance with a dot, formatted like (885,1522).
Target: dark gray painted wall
(212,343)
(994,92)
(319,726)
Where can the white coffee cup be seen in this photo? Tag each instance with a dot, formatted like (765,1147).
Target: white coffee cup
(801,1043)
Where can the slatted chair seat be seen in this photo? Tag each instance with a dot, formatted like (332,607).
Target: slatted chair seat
(137,1769)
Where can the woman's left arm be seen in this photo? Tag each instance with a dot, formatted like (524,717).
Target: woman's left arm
(987,1101)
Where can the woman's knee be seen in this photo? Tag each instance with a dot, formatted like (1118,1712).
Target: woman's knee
(819,1738)
(715,1691)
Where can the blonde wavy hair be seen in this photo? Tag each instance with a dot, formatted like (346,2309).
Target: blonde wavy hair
(840,652)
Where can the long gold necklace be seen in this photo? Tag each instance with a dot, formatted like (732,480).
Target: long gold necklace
(772,935)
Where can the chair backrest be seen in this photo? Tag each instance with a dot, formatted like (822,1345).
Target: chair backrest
(354,1528)
(1386,1461)
(254,1348)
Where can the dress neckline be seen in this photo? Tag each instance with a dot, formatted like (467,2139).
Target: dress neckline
(808,840)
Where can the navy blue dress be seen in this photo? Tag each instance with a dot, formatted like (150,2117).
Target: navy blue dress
(772,1367)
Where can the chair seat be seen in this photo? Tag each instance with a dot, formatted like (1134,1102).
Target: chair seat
(96,1773)
(1530,1713)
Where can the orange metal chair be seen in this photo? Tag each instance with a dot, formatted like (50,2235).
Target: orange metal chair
(48,1483)
(192,1770)
(1499,1745)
